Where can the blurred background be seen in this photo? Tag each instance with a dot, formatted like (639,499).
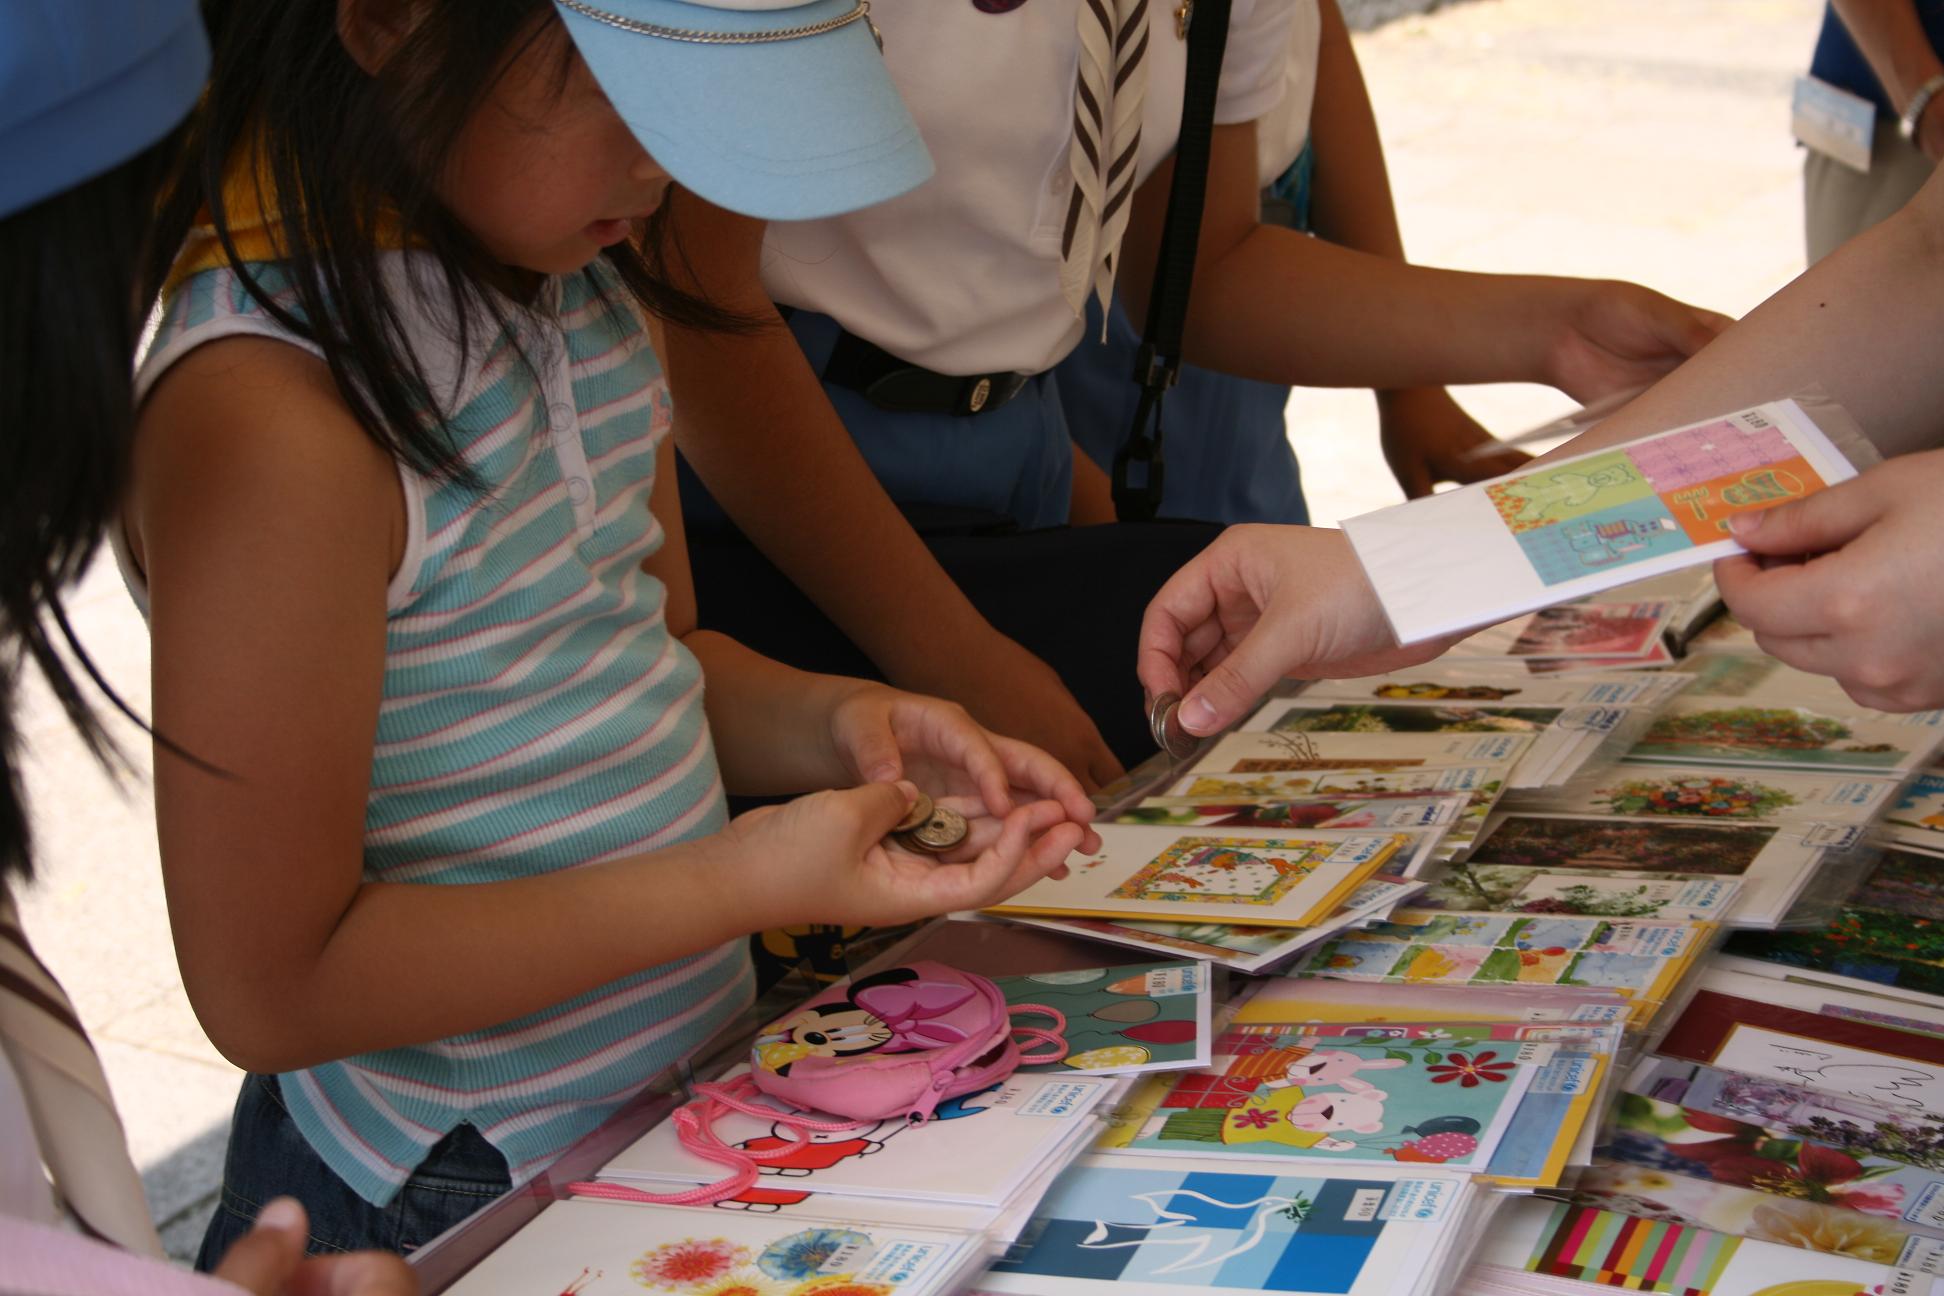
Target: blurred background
(1635,139)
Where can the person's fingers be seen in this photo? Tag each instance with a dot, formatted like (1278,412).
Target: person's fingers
(1233,684)
(1201,641)
(1785,601)
(263,1260)
(953,734)
(874,750)
(1413,476)
(1818,654)
(990,875)
(1183,604)
(1488,465)
(358,1273)
(877,807)
(1821,522)
(1028,767)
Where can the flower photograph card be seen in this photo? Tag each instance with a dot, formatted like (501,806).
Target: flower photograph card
(1769,1159)
(1772,862)
(594,1248)
(1706,730)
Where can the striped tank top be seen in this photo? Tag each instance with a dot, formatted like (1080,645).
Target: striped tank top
(537,715)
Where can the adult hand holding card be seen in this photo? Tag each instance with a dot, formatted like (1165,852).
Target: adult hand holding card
(1576,526)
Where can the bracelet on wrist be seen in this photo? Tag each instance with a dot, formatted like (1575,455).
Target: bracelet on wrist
(1913,113)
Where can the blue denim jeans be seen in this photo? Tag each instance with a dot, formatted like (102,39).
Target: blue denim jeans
(269,1157)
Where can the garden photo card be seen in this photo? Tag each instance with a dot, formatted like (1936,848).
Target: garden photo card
(1271,878)
(1516,889)
(1705,794)
(1887,938)
(1700,729)
(1772,862)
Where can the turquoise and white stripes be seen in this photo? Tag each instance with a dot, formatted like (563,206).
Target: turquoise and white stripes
(537,715)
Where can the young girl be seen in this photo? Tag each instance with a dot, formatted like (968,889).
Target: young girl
(451,874)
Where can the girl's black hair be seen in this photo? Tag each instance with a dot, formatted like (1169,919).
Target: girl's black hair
(69,319)
(343,150)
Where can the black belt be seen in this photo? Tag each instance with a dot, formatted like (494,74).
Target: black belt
(897,385)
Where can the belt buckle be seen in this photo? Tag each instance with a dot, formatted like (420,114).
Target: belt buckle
(989,392)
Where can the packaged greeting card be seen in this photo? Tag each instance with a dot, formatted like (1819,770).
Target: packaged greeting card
(1122,1020)
(1269,878)
(1196,1227)
(592,1248)
(1559,531)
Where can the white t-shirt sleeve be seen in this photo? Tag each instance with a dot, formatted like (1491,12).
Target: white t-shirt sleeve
(1255,64)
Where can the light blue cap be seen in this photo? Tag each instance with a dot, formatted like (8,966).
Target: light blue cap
(87,84)
(773,108)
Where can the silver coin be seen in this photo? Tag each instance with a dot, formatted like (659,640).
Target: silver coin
(920,811)
(1164,721)
(1158,711)
(945,829)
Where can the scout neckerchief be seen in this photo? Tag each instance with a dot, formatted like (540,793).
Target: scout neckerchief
(1106,148)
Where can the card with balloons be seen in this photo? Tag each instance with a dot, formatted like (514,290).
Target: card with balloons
(1124,1020)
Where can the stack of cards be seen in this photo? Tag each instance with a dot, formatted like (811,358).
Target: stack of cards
(1643,961)
(1572,720)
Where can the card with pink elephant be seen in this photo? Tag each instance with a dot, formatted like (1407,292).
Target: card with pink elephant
(1328,1098)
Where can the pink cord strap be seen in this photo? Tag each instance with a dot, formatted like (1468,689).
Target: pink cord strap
(1026,1036)
(695,1128)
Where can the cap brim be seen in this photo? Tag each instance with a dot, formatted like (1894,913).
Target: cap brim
(791,129)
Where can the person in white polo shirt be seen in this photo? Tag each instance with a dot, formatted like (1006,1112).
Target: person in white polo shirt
(912,393)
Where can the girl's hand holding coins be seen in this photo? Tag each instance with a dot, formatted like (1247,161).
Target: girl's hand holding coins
(865,857)
(880,734)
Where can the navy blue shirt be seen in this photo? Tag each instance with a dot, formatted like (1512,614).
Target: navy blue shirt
(1839,62)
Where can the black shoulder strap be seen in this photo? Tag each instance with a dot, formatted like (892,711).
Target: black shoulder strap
(1137,468)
